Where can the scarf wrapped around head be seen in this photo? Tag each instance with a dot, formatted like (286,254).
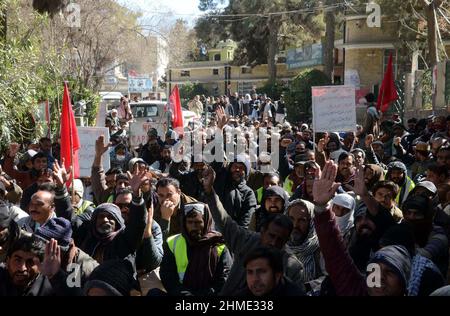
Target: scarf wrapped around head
(345,222)
(306,251)
(419,265)
(378,175)
(203,256)
(96,239)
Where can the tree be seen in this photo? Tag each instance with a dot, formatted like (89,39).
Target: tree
(298,98)
(261,29)
(189,90)
(181,41)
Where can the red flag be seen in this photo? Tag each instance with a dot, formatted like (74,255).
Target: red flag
(388,91)
(70,144)
(177,112)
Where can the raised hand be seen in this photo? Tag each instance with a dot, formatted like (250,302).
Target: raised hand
(208,178)
(285,142)
(60,174)
(148,227)
(360,185)
(100,147)
(221,117)
(325,186)
(52,259)
(136,180)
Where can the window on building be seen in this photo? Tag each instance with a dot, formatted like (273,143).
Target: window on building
(216,72)
(185,73)
(217,57)
(387,53)
(246,70)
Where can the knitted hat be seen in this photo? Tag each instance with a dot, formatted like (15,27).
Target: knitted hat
(115,277)
(57,228)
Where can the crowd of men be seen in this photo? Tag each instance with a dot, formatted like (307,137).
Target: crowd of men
(364,212)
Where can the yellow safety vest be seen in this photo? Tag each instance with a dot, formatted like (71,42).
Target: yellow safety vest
(287,186)
(83,207)
(409,187)
(259,194)
(178,246)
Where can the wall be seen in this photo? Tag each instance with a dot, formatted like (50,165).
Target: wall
(368,63)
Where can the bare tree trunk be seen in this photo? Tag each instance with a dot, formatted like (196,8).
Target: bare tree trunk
(433,58)
(432,36)
(273,25)
(3,24)
(330,22)
(330,26)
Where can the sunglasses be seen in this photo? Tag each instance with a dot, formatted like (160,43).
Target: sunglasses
(199,208)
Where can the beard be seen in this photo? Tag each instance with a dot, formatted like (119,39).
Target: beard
(105,229)
(297,238)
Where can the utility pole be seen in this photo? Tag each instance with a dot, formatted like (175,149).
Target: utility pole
(430,7)
(328,49)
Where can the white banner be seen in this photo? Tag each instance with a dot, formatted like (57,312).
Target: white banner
(138,132)
(334,109)
(86,154)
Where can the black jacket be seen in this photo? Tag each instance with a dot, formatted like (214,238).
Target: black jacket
(189,183)
(237,198)
(261,214)
(125,243)
(39,287)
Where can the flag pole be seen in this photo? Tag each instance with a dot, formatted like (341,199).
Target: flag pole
(71,145)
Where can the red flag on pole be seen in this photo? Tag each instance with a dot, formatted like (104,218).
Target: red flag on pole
(175,107)
(388,91)
(70,144)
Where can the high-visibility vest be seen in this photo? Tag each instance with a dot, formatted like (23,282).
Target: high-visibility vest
(110,199)
(83,207)
(288,184)
(259,194)
(408,187)
(178,246)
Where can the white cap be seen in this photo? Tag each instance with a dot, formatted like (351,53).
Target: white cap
(78,187)
(345,200)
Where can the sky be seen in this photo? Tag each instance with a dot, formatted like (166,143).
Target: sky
(186,9)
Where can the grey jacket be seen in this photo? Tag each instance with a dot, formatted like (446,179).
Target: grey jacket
(240,242)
